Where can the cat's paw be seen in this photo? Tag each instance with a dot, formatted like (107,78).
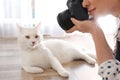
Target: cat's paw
(64,73)
(34,70)
(91,61)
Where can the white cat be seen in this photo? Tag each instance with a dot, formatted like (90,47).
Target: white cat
(38,54)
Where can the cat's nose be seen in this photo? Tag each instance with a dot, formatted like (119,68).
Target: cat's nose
(33,42)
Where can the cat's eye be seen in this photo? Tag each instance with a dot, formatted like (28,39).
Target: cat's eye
(28,37)
(36,36)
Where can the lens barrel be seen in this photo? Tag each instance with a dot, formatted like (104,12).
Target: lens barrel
(64,21)
(76,10)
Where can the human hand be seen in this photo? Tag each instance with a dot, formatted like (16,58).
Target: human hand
(86,26)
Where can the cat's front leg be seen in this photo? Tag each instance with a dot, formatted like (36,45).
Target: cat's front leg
(33,69)
(58,67)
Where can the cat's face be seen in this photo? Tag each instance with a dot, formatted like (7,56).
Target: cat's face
(29,37)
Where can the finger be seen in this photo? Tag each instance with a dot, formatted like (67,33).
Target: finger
(72,29)
(75,21)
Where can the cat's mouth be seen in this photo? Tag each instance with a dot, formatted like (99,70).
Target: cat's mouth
(34,45)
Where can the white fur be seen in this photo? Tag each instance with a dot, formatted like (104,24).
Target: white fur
(47,53)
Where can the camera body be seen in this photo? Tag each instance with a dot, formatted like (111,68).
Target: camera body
(76,10)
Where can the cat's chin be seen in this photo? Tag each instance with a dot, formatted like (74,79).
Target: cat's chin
(33,47)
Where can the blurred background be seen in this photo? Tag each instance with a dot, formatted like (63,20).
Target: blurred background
(30,12)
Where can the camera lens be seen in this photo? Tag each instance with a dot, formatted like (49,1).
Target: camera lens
(64,21)
(76,10)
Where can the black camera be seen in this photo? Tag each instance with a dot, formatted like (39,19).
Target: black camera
(76,10)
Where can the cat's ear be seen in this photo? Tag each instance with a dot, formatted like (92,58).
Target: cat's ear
(38,27)
(19,27)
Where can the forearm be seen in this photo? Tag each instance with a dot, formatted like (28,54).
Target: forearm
(103,50)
